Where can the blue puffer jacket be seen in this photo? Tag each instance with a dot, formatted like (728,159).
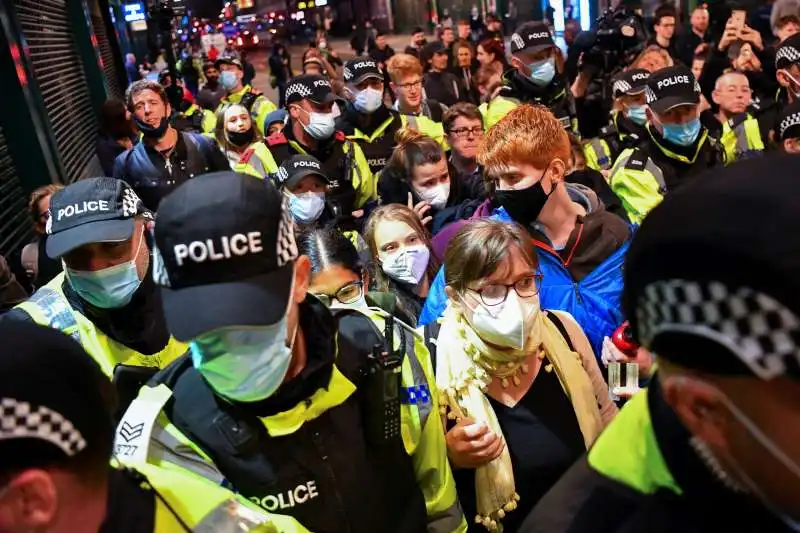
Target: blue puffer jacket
(594,301)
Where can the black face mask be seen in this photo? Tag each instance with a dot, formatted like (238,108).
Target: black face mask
(242,138)
(150,132)
(524,205)
(212,82)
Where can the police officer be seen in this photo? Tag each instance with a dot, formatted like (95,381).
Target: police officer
(628,119)
(56,444)
(676,148)
(712,444)
(538,77)
(368,121)
(279,399)
(788,131)
(104,299)
(311,130)
(231,73)
(737,126)
(302,178)
(186,116)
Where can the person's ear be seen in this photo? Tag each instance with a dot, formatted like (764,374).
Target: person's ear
(518,64)
(783,79)
(700,408)
(393,85)
(302,278)
(32,500)
(715,96)
(557,171)
(452,295)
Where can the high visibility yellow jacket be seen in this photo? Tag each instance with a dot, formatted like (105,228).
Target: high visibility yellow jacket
(496,109)
(259,105)
(422,434)
(741,138)
(185,500)
(49,307)
(257,161)
(207,121)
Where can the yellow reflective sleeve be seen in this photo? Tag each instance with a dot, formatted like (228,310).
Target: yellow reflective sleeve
(431,465)
(591,157)
(497,109)
(261,108)
(637,189)
(434,130)
(209,122)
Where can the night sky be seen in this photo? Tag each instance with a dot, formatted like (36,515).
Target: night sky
(205,8)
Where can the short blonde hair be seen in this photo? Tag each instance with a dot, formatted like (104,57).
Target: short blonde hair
(529,134)
(401,66)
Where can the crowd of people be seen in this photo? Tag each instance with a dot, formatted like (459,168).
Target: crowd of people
(402,298)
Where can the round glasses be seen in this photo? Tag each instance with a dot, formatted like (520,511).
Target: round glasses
(348,294)
(496,293)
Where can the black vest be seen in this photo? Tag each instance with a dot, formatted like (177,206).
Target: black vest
(325,474)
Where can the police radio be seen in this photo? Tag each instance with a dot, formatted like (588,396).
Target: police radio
(382,386)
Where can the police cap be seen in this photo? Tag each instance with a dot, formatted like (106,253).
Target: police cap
(709,291)
(531,37)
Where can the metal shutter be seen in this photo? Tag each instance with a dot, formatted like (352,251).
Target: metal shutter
(59,73)
(106,56)
(15,228)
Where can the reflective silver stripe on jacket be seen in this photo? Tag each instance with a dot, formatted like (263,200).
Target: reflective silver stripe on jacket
(742,145)
(418,394)
(56,311)
(164,446)
(446,521)
(654,171)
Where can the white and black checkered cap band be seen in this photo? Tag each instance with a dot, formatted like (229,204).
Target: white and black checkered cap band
(21,420)
(649,95)
(298,88)
(789,53)
(752,325)
(287,247)
(788,122)
(283,174)
(518,41)
(160,273)
(348,74)
(621,87)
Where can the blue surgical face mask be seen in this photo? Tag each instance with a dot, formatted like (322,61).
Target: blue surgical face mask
(682,134)
(109,288)
(306,206)
(368,101)
(228,79)
(637,114)
(543,72)
(246,364)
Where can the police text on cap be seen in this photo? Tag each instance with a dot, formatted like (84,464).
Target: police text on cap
(674,80)
(87,206)
(227,247)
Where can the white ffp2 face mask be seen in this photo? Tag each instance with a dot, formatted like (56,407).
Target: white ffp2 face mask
(408,264)
(436,196)
(507,324)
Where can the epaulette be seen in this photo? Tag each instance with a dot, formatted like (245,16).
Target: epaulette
(637,160)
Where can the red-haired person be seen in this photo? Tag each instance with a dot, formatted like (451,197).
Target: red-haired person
(580,245)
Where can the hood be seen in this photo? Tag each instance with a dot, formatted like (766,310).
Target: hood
(585,197)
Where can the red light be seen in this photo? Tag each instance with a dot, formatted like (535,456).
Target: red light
(272,15)
(15,55)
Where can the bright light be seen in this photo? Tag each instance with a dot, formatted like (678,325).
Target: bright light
(239,41)
(272,15)
(301,5)
(255,39)
(273,30)
(311,4)
(194,30)
(280,17)
(586,21)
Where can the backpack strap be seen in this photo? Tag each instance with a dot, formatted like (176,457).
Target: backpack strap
(561,328)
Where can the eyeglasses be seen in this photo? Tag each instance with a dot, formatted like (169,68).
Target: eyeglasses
(348,294)
(410,85)
(477,131)
(495,294)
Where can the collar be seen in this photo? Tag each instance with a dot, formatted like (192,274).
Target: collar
(700,487)
(238,94)
(684,154)
(318,328)
(130,508)
(369,125)
(515,85)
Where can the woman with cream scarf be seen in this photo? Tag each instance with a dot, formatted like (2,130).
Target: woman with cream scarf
(520,386)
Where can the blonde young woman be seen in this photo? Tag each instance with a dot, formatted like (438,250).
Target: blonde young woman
(523,393)
(239,140)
